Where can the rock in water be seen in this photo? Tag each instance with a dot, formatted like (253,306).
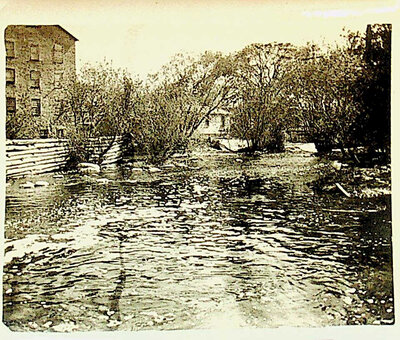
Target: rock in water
(337,165)
(88,167)
(41,184)
(308,147)
(27,185)
(103,180)
(168,166)
(347,300)
(154,170)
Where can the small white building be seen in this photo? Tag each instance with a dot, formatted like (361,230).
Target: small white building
(216,125)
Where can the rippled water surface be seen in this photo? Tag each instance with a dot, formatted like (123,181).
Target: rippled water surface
(223,242)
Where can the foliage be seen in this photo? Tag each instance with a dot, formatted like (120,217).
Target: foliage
(96,105)
(343,95)
(156,126)
(339,96)
(176,100)
(325,92)
(261,98)
(376,88)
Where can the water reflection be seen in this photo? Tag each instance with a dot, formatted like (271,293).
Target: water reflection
(227,245)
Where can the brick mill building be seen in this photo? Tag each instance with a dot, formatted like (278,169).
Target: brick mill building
(40,61)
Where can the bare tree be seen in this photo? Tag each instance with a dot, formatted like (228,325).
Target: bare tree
(177,100)
(96,106)
(325,94)
(261,98)
(20,120)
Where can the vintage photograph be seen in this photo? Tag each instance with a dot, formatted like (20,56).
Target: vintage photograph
(185,165)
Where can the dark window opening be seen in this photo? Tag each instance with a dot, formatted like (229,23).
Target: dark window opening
(10,51)
(60,108)
(207,123)
(35,79)
(11,105)
(44,133)
(58,79)
(34,52)
(58,54)
(60,133)
(10,76)
(222,121)
(36,107)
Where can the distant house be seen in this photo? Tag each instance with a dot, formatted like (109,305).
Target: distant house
(216,125)
(40,61)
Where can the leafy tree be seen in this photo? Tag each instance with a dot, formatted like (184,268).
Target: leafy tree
(261,97)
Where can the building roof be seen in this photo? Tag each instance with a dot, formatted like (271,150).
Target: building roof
(58,26)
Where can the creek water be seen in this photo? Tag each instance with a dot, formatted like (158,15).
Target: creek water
(223,242)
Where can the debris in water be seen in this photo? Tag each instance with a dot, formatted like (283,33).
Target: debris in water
(114,323)
(41,184)
(64,327)
(32,325)
(48,324)
(154,170)
(27,185)
(342,190)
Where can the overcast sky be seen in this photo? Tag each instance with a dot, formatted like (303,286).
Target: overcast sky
(143,35)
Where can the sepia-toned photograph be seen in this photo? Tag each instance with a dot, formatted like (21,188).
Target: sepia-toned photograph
(187,165)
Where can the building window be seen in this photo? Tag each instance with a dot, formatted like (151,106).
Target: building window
(11,105)
(207,123)
(35,79)
(10,76)
(44,133)
(60,133)
(10,51)
(35,107)
(58,79)
(222,121)
(34,52)
(58,54)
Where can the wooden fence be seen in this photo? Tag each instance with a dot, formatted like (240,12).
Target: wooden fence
(37,156)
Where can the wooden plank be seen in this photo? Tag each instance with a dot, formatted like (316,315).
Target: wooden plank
(36,140)
(27,159)
(38,153)
(16,148)
(34,164)
(23,172)
(34,156)
(342,190)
